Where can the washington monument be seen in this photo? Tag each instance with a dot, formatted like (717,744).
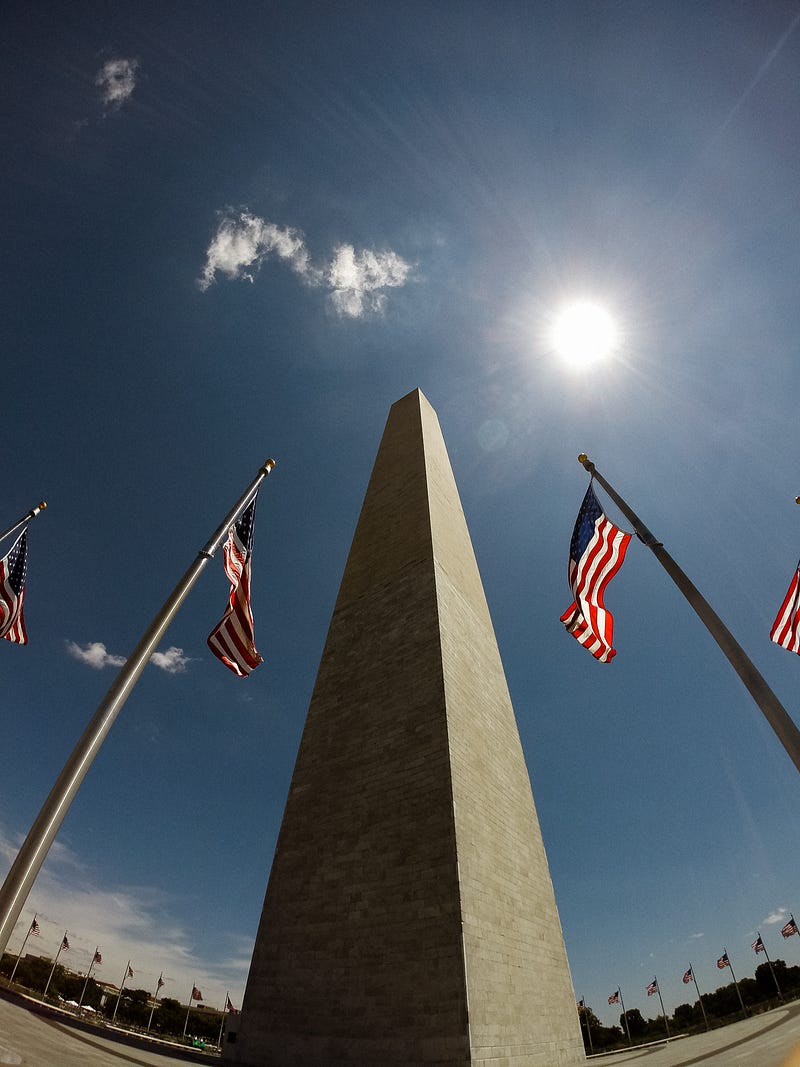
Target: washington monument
(409,916)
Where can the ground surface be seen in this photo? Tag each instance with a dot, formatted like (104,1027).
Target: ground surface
(28,1040)
(769,1040)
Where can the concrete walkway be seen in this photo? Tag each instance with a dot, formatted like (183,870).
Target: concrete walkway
(30,1040)
(768,1040)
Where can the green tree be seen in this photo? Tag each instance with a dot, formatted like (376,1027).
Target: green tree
(636,1024)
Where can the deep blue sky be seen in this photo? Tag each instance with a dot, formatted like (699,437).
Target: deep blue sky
(409,193)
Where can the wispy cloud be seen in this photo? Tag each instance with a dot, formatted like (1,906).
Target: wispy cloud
(96,655)
(695,937)
(134,922)
(172,661)
(242,242)
(116,80)
(776,916)
(355,280)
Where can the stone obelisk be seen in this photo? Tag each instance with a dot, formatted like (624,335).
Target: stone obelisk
(409,916)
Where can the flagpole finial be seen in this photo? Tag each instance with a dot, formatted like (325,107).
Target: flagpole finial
(42,505)
(797,500)
(268,465)
(584,461)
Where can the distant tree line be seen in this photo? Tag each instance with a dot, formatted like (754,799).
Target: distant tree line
(721,1007)
(134,1008)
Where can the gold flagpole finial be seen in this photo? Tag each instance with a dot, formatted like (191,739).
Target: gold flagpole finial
(797,500)
(42,505)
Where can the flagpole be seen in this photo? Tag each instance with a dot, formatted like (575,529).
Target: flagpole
(663,1013)
(739,992)
(624,1016)
(33,852)
(55,961)
(222,1020)
(588,1028)
(772,969)
(774,712)
(25,518)
(24,943)
(702,1005)
(159,984)
(88,976)
(186,1020)
(121,986)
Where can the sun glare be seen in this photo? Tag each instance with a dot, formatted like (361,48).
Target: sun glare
(583,333)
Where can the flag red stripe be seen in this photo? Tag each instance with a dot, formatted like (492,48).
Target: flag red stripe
(786,628)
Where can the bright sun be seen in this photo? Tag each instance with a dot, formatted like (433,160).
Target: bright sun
(583,333)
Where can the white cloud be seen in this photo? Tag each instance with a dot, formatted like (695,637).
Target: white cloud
(695,937)
(172,661)
(117,80)
(134,922)
(245,241)
(94,654)
(777,916)
(355,280)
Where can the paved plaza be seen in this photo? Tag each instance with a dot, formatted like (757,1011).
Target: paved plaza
(30,1040)
(769,1040)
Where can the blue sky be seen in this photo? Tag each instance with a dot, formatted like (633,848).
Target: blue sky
(240,231)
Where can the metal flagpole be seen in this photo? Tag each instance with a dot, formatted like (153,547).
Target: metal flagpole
(25,518)
(624,1016)
(55,961)
(19,880)
(702,1005)
(24,943)
(588,1028)
(159,984)
(121,985)
(222,1020)
(88,976)
(663,1013)
(739,992)
(772,969)
(774,712)
(186,1020)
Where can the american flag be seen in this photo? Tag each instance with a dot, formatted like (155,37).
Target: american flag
(65,944)
(97,958)
(130,971)
(12,591)
(596,553)
(160,983)
(688,977)
(723,961)
(34,928)
(196,994)
(790,928)
(232,639)
(758,945)
(614,998)
(786,628)
(652,988)
(229,1006)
